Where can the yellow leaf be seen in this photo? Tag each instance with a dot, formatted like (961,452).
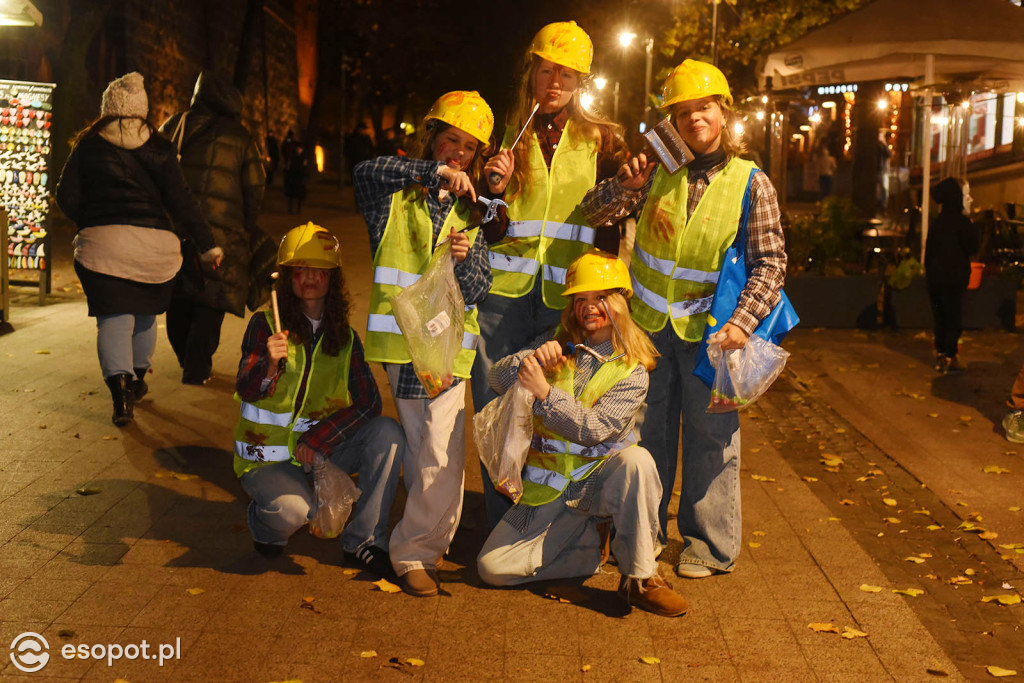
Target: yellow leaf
(915,560)
(831,460)
(650,660)
(195,591)
(840,430)
(1011,546)
(988,535)
(412,661)
(1015,508)
(585,667)
(846,501)
(960,581)
(892,520)
(760,477)
(849,632)
(912,592)
(966,418)
(891,502)
(970,526)
(969,572)
(755,450)
(752,544)
(760,533)
(386,586)
(308,599)
(994,469)
(933,527)
(833,519)
(998,672)
(349,572)
(922,511)
(961,503)
(933,414)
(1006,599)
(813,479)
(43,352)
(818,627)
(867,588)
(366,654)
(924,554)
(108,437)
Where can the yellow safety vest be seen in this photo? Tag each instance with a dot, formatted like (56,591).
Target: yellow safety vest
(401,258)
(269,428)
(676,261)
(546,229)
(553,461)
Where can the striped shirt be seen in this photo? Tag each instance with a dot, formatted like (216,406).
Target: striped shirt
(609,202)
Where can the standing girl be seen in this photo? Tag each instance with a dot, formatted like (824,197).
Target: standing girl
(565,150)
(410,205)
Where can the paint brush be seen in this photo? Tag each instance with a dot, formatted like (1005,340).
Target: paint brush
(273,302)
(495,177)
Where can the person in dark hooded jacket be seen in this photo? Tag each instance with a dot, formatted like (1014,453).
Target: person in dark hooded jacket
(223,168)
(952,238)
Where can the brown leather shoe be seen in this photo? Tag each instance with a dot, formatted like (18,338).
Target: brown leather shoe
(422,583)
(654,595)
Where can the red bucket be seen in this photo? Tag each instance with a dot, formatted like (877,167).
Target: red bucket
(976,270)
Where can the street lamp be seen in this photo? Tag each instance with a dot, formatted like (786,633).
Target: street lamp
(626,39)
(600,82)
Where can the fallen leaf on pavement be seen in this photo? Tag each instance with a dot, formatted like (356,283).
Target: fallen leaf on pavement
(366,654)
(868,588)
(650,660)
(813,479)
(834,519)
(988,535)
(994,469)
(961,503)
(180,476)
(1007,599)
(998,672)
(892,520)
(933,527)
(1015,508)
(966,418)
(570,594)
(922,511)
(585,667)
(819,627)
(755,450)
(752,544)
(924,554)
(1011,546)
(912,592)
(915,560)
(849,632)
(969,572)
(840,430)
(760,533)
(970,527)
(386,586)
(830,460)
(891,502)
(87,491)
(349,572)
(760,477)
(43,352)
(195,591)
(412,661)
(960,581)
(846,501)
(108,437)
(933,414)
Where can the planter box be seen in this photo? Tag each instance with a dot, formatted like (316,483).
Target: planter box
(835,301)
(992,306)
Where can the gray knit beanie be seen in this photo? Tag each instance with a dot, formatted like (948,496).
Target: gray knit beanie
(125,97)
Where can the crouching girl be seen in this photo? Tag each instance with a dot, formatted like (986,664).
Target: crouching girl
(307,393)
(584,468)
(410,206)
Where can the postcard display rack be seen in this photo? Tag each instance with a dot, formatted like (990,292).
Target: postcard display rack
(26,112)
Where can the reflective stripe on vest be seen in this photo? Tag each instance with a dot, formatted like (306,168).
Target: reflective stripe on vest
(268,429)
(552,461)
(677,259)
(545,224)
(403,255)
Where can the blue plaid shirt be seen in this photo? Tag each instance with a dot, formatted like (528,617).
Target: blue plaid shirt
(375,182)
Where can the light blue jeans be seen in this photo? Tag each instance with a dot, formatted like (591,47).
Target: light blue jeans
(709,502)
(125,342)
(506,326)
(283,500)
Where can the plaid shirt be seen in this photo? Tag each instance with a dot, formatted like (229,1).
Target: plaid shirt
(612,417)
(325,436)
(375,182)
(548,128)
(609,202)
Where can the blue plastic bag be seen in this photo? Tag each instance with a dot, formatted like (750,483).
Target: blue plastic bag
(733,278)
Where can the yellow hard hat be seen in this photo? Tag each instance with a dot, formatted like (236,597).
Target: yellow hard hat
(597,270)
(465,110)
(693,80)
(309,246)
(565,44)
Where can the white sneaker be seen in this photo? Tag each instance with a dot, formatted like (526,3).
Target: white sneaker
(689,570)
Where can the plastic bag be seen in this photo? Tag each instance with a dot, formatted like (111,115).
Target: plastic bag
(431,314)
(502,432)
(335,494)
(742,375)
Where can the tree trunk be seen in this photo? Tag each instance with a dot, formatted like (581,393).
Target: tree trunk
(867,122)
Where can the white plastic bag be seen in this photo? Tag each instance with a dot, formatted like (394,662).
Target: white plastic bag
(335,494)
(742,375)
(502,432)
(431,314)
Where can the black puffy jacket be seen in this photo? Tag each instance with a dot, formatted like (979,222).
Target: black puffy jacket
(224,170)
(104,184)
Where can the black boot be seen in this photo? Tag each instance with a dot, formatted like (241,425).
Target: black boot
(120,392)
(138,385)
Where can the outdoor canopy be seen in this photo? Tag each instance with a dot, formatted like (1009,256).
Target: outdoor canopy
(889,40)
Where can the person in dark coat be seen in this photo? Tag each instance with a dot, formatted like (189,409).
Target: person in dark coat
(952,238)
(121,186)
(224,170)
(296,172)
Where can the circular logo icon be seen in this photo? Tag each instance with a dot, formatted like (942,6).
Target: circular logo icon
(29,652)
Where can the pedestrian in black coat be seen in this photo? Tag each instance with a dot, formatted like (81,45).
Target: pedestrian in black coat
(223,167)
(952,239)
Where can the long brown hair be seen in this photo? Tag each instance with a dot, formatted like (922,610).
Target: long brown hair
(635,343)
(435,127)
(593,126)
(336,309)
(97,125)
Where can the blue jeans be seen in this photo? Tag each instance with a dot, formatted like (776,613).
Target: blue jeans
(506,326)
(709,501)
(283,500)
(125,342)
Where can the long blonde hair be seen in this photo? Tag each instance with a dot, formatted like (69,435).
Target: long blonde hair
(591,125)
(635,343)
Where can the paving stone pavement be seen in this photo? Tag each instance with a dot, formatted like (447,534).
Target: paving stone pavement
(158,549)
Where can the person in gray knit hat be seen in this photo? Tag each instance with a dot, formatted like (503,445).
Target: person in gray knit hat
(122,186)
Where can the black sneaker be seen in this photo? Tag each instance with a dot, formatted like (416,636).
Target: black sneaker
(373,559)
(268,549)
